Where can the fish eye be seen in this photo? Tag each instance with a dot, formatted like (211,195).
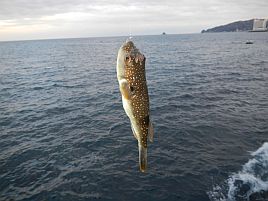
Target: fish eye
(127,58)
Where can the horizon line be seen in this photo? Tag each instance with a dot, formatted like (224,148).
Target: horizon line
(83,37)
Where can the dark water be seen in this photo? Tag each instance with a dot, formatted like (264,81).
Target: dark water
(64,135)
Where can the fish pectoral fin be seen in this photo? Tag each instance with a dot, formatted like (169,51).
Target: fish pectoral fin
(135,135)
(151,132)
(125,89)
(142,158)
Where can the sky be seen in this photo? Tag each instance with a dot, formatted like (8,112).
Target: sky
(43,19)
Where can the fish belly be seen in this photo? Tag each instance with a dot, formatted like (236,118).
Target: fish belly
(127,105)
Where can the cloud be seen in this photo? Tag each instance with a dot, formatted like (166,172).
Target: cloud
(78,18)
(16,9)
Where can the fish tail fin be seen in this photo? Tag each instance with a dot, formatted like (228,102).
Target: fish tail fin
(151,132)
(142,158)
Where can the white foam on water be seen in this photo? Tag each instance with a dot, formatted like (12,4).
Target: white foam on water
(251,179)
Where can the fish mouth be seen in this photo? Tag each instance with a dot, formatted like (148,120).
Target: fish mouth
(132,54)
(129,46)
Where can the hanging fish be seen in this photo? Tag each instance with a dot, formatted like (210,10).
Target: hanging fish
(133,87)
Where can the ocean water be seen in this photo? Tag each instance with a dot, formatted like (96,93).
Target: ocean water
(64,135)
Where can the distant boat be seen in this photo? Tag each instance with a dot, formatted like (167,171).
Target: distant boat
(164,33)
(249,42)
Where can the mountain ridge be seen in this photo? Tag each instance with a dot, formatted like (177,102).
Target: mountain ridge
(245,25)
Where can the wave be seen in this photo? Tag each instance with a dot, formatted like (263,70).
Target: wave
(251,183)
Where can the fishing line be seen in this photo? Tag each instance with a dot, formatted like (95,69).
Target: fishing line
(130,32)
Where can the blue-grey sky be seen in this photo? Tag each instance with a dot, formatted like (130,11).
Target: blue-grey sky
(37,19)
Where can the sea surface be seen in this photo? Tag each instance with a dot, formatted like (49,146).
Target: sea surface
(64,135)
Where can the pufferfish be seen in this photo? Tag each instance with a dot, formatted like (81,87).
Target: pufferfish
(133,87)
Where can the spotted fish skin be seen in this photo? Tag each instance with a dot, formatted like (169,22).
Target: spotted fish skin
(133,87)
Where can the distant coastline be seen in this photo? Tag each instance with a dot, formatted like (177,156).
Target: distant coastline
(252,25)
(232,27)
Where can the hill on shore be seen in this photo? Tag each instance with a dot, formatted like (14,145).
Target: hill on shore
(232,27)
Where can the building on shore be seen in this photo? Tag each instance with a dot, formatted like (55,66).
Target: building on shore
(260,25)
